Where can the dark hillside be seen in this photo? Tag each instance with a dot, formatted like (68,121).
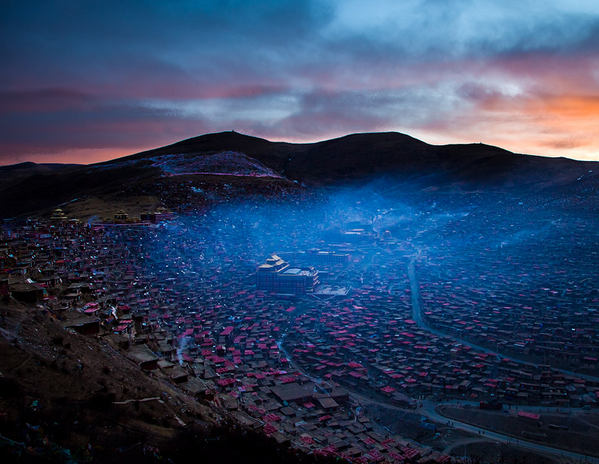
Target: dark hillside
(28,188)
(272,154)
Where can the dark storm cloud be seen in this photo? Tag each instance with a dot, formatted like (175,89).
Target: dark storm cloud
(106,43)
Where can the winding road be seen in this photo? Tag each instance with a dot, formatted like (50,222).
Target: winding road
(417,316)
(429,408)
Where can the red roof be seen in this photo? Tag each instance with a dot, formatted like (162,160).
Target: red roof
(227,331)
(529,415)
(269,429)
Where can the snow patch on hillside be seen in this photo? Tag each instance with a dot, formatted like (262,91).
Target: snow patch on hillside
(227,163)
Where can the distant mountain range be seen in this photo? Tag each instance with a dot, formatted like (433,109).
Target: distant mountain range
(199,169)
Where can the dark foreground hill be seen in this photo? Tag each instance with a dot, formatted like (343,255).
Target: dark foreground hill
(197,171)
(65,397)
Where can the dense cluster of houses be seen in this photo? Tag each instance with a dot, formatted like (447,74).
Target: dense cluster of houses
(391,355)
(205,328)
(531,294)
(181,299)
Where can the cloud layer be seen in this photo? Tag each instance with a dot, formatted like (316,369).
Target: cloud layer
(84,81)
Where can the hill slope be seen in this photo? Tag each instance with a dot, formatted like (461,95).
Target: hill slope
(195,171)
(65,397)
(358,156)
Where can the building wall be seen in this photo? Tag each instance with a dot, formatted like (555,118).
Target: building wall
(274,280)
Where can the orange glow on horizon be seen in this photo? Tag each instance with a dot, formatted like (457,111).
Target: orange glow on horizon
(76,156)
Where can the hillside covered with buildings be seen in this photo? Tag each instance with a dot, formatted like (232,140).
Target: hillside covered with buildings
(229,287)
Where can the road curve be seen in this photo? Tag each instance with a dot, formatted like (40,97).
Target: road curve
(429,410)
(417,316)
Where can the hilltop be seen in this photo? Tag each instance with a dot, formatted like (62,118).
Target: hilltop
(196,172)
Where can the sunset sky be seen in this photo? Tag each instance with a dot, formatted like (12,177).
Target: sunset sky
(86,81)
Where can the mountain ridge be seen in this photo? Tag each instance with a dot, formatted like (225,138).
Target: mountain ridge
(357,155)
(354,158)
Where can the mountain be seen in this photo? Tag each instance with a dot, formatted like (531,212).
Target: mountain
(13,174)
(29,166)
(212,167)
(360,156)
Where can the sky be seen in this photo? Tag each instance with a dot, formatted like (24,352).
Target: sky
(87,81)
